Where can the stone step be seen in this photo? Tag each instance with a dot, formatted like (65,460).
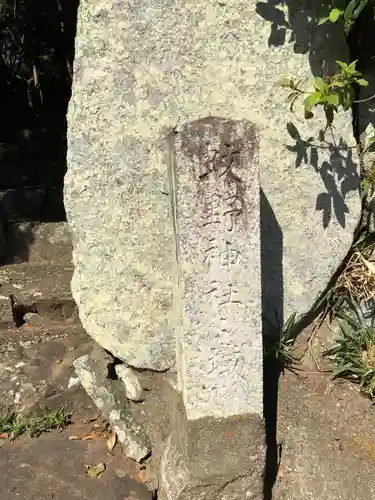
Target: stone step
(39,288)
(37,243)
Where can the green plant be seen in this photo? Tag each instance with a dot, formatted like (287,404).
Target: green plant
(330,93)
(280,346)
(354,352)
(33,425)
(368,175)
(347,12)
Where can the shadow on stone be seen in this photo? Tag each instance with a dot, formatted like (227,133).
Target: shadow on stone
(324,46)
(338,172)
(273,320)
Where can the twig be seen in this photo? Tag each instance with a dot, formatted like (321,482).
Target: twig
(37,83)
(365,100)
(62,25)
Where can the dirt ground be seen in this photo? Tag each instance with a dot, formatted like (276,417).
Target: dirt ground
(52,466)
(325,429)
(322,446)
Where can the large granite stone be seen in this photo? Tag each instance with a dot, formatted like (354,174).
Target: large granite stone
(142,68)
(218,315)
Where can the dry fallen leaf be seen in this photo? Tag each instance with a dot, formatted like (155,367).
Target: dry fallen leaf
(95,470)
(111,442)
(4,435)
(87,437)
(141,476)
(370,266)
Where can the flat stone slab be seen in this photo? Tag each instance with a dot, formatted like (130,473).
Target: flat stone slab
(53,467)
(325,453)
(141,72)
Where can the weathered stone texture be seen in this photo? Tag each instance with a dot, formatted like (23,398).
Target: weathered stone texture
(214,459)
(218,314)
(144,67)
(110,397)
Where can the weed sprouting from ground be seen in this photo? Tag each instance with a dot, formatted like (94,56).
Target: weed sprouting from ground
(354,352)
(33,425)
(280,346)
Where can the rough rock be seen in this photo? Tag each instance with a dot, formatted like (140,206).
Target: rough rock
(134,390)
(109,396)
(214,459)
(142,69)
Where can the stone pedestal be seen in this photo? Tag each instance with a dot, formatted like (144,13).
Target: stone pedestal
(214,459)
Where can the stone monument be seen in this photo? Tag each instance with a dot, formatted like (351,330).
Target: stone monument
(150,79)
(217,448)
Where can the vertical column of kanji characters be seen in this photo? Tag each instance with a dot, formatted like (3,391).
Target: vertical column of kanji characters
(215,175)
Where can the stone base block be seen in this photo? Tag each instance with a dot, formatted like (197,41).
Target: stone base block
(214,459)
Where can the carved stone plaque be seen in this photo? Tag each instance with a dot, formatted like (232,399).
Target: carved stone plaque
(216,203)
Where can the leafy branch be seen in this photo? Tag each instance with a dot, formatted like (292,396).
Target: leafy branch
(330,93)
(347,15)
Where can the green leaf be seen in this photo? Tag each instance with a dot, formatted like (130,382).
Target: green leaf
(343,65)
(332,99)
(323,20)
(341,369)
(352,65)
(348,14)
(371,140)
(362,82)
(347,98)
(348,319)
(320,84)
(312,100)
(337,83)
(289,325)
(335,14)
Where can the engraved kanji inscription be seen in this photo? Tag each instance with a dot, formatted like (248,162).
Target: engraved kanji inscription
(225,253)
(215,201)
(234,207)
(212,213)
(225,293)
(220,162)
(230,255)
(210,253)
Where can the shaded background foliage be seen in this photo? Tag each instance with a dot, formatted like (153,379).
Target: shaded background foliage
(37,51)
